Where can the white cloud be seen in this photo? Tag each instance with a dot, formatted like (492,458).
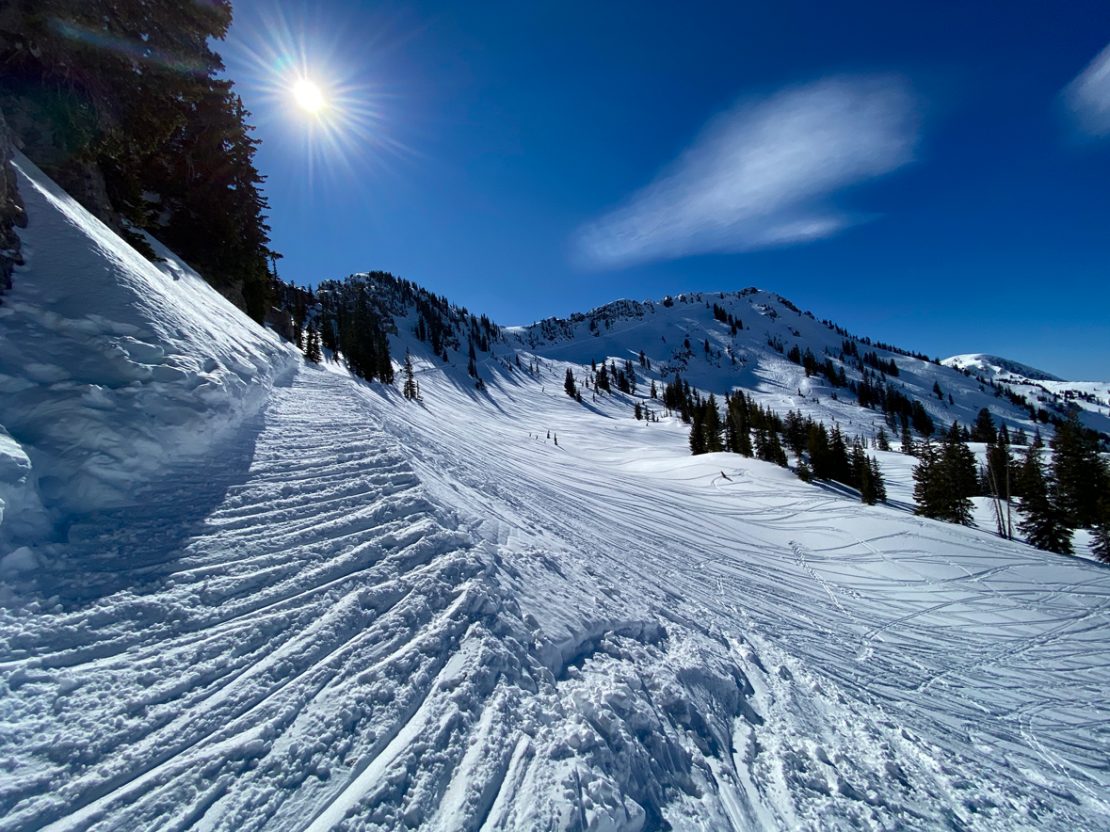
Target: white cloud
(1088,96)
(758,174)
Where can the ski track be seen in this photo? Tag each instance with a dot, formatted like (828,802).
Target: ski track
(370,614)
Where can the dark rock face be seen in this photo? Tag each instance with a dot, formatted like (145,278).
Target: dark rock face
(11,210)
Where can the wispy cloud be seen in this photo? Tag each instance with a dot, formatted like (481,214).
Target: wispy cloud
(760,174)
(1088,96)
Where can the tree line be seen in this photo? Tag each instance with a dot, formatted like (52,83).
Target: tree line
(1070,491)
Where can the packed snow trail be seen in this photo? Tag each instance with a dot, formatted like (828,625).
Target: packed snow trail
(275,635)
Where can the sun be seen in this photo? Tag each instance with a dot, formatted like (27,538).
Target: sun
(308,96)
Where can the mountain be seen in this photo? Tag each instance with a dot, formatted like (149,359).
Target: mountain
(266,593)
(1091,397)
(994,366)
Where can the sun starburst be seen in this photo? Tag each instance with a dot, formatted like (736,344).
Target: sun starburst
(301,92)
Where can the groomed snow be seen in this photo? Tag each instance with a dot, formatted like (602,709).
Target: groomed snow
(350,611)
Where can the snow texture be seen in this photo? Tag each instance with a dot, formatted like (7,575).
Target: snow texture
(344,610)
(111,366)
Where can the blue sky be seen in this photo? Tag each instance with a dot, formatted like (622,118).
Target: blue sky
(935,175)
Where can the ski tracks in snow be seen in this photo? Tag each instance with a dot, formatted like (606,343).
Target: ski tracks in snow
(372,614)
(319,646)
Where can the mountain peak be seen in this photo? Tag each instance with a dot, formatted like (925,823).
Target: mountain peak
(996,366)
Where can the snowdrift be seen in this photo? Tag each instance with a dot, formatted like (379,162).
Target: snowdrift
(110,366)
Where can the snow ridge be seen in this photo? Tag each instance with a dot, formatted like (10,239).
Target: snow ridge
(111,366)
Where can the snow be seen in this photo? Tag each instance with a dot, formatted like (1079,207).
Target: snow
(111,366)
(1091,397)
(343,610)
(997,367)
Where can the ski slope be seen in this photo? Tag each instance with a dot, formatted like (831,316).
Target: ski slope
(503,609)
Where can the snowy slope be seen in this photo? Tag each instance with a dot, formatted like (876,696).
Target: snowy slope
(110,366)
(1091,397)
(994,366)
(503,609)
(754,358)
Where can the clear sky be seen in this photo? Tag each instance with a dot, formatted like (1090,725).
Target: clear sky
(936,175)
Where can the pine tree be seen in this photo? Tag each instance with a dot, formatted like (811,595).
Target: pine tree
(712,426)
(907,440)
(1081,477)
(1044,525)
(882,442)
(312,346)
(738,425)
(960,476)
(927,483)
(945,479)
(409,389)
(1100,543)
(878,483)
(569,386)
(983,429)
(697,437)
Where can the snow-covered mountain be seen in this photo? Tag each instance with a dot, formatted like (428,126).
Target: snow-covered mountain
(1091,397)
(261,593)
(996,367)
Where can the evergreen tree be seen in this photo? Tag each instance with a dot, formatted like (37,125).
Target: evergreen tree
(907,440)
(983,429)
(123,99)
(840,464)
(601,379)
(697,437)
(738,426)
(409,388)
(569,386)
(928,485)
(945,479)
(959,473)
(1081,477)
(312,346)
(1100,543)
(882,441)
(1044,525)
(712,426)
(768,447)
(878,484)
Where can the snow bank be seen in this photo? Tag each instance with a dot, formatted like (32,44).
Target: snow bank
(110,365)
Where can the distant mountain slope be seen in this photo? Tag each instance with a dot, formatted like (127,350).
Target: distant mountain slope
(691,334)
(1047,390)
(111,365)
(994,366)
